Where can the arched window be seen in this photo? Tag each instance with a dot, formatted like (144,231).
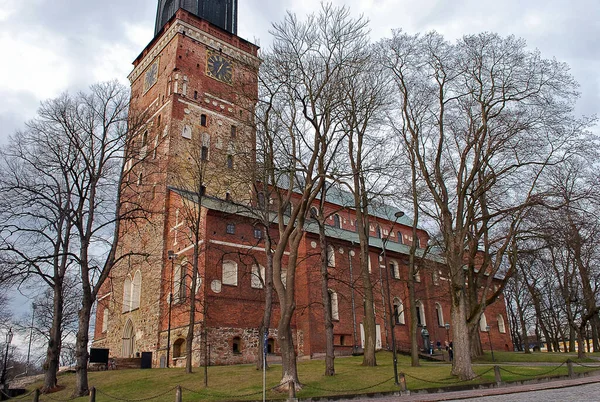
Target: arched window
(335,312)
(417,275)
(440,314)
(127,294)
(421,321)
(230,273)
(399,311)
(501,326)
(394,269)
(378,231)
(313,213)
(435,277)
(236,345)
(229,161)
(400,238)
(337,221)
(136,290)
(128,340)
(144,139)
(258,277)
(179,348)
(330,256)
(483,323)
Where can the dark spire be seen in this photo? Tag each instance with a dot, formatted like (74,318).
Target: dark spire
(222,13)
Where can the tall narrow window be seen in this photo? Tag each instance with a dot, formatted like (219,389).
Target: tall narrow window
(394,269)
(501,326)
(398,311)
(203,120)
(378,231)
(233,131)
(417,275)
(144,139)
(420,314)
(483,323)
(136,290)
(400,238)
(230,273)
(313,213)
(105,319)
(335,312)
(127,294)
(330,256)
(229,161)
(440,314)
(337,221)
(179,278)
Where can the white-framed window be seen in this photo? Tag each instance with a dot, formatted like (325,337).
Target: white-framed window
(440,314)
(257,281)
(330,256)
(417,275)
(335,312)
(483,323)
(501,325)
(337,221)
(230,273)
(399,311)
(400,238)
(435,277)
(369,262)
(420,313)
(394,269)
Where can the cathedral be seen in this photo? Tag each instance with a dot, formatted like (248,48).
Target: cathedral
(194,86)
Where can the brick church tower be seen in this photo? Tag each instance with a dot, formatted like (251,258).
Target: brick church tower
(195,84)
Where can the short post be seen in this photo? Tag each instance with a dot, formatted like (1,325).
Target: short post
(178,394)
(36,395)
(570,368)
(93,394)
(291,391)
(497,375)
(402,381)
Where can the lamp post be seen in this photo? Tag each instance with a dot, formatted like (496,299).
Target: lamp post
(9,337)
(30,337)
(172,256)
(487,329)
(392,317)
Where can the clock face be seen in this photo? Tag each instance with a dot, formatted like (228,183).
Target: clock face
(219,67)
(151,76)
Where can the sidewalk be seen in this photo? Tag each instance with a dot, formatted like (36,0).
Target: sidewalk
(593,377)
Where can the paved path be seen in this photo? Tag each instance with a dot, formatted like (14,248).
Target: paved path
(579,389)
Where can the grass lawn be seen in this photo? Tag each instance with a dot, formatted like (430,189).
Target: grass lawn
(537,357)
(245,383)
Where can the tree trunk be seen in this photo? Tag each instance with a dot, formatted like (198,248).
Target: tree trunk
(266,320)
(81,348)
(413,322)
(288,352)
(476,343)
(581,342)
(52,362)
(326,297)
(189,339)
(461,364)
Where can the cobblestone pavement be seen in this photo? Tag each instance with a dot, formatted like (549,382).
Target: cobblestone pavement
(587,392)
(582,389)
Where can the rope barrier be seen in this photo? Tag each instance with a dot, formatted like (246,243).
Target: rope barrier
(533,375)
(586,366)
(46,396)
(136,400)
(218,394)
(448,382)
(16,398)
(349,390)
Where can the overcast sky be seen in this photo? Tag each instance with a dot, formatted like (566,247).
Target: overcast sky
(49,46)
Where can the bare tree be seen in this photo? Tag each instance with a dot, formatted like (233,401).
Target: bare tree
(67,174)
(487,117)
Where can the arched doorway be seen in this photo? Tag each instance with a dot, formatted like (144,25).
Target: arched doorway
(128,339)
